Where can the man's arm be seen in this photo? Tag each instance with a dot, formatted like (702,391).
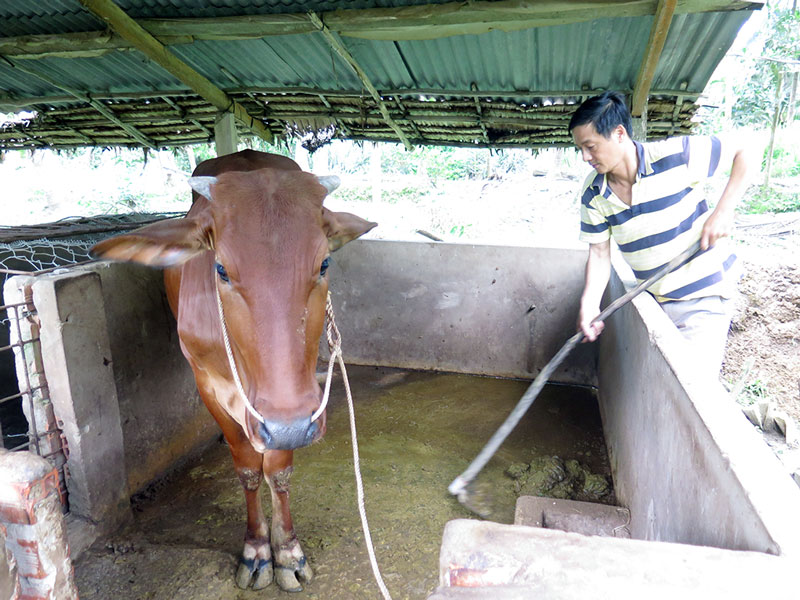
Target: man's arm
(598,272)
(720,222)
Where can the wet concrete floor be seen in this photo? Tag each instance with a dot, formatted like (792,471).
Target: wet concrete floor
(416,432)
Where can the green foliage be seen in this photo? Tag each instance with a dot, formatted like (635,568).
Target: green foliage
(354,192)
(283,147)
(436,162)
(785,161)
(459,230)
(403,194)
(397,160)
(754,391)
(771,201)
(756,95)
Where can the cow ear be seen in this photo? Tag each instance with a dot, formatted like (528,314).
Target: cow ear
(164,244)
(342,227)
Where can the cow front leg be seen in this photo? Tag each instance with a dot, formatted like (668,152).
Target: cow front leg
(291,567)
(255,565)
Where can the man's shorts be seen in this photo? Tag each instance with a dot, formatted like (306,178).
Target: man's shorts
(704,322)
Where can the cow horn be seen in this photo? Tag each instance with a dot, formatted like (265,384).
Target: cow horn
(329,182)
(202,185)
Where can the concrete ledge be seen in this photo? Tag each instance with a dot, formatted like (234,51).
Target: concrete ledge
(587,518)
(551,564)
(77,360)
(685,460)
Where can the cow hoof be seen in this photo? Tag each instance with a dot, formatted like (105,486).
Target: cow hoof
(256,571)
(289,578)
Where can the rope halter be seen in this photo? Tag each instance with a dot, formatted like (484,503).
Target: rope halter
(334,345)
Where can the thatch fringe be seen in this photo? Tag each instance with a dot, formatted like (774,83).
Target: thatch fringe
(468,119)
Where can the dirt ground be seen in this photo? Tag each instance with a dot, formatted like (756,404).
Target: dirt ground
(764,342)
(762,361)
(416,432)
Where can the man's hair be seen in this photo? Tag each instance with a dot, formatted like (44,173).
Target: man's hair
(605,112)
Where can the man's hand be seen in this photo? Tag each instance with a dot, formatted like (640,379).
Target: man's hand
(598,271)
(718,225)
(589,329)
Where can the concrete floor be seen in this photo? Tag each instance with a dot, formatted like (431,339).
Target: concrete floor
(417,431)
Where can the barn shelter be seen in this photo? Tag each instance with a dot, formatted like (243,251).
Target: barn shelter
(480,74)
(433,342)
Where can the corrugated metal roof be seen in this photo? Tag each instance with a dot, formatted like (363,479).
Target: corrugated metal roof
(497,88)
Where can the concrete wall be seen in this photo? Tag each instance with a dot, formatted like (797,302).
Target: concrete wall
(686,462)
(162,416)
(117,381)
(461,308)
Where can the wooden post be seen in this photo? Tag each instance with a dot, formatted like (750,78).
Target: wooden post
(375,172)
(640,126)
(658,36)
(192,159)
(226,138)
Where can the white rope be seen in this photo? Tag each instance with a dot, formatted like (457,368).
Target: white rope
(231,362)
(335,346)
(334,354)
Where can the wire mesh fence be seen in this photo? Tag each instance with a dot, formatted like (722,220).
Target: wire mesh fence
(27,418)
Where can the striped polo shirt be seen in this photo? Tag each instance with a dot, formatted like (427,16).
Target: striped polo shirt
(666,216)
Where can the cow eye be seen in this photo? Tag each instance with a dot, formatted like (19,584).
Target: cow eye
(324,266)
(223,274)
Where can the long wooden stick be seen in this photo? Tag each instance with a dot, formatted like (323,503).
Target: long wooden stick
(459,485)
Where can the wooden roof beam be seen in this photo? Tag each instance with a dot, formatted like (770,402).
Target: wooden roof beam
(432,21)
(98,106)
(422,22)
(131,31)
(337,45)
(655,45)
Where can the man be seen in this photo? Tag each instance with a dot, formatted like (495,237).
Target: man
(649,198)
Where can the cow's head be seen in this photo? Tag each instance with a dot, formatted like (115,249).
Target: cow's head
(263,239)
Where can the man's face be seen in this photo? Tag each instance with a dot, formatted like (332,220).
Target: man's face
(602,153)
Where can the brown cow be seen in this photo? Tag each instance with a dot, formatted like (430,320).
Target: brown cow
(258,238)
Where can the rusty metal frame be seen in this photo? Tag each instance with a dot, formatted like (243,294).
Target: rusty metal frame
(56,453)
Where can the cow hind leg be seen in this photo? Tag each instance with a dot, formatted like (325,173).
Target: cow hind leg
(255,565)
(291,566)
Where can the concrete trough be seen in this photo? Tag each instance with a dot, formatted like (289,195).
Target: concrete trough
(686,464)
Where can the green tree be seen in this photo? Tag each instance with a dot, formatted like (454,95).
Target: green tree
(773,66)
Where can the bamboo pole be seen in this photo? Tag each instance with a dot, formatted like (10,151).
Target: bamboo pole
(130,30)
(340,49)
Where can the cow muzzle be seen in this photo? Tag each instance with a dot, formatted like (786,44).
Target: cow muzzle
(288,436)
